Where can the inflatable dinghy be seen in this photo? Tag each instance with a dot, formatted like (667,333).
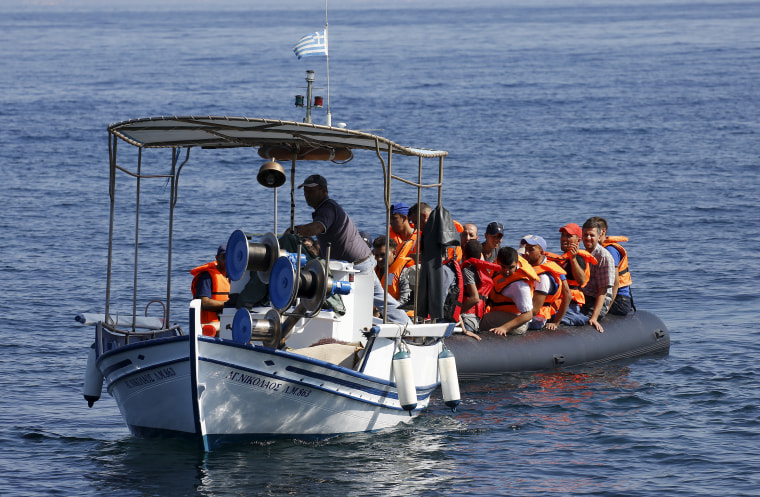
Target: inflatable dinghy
(638,334)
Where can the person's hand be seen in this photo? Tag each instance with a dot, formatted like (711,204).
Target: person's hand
(551,326)
(471,334)
(572,249)
(499,331)
(596,324)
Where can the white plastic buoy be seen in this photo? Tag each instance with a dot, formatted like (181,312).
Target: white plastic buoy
(402,370)
(447,370)
(93,380)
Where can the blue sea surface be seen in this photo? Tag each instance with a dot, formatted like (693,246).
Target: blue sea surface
(645,113)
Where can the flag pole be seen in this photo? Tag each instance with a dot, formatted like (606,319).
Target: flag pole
(327,40)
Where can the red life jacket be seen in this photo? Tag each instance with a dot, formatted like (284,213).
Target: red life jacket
(485,283)
(452,305)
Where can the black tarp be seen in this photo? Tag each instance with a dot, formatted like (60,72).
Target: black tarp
(438,234)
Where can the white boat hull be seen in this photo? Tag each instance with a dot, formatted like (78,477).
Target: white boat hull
(151,383)
(217,391)
(257,393)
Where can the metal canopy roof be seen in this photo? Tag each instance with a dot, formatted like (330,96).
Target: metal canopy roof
(226,132)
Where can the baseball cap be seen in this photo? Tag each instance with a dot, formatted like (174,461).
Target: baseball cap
(534,240)
(314,180)
(494,228)
(222,250)
(572,229)
(400,208)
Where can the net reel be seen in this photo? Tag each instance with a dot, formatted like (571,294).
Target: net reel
(246,328)
(244,255)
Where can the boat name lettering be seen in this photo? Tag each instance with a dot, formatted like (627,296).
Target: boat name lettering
(254,381)
(152,377)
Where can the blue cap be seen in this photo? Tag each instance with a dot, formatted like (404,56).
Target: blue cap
(534,240)
(400,208)
(222,250)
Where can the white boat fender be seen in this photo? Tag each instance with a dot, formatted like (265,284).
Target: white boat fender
(402,370)
(93,380)
(447,370)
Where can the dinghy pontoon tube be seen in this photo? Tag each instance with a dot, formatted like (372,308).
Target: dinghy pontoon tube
(638,334)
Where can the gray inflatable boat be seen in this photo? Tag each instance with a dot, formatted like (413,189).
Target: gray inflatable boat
(639,333)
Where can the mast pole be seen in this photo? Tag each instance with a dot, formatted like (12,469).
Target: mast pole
(327,42)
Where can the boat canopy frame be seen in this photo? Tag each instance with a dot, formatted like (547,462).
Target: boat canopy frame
(216,132)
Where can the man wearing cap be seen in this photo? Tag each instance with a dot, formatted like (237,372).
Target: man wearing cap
(332,226)
(551,286)
(494,234)
(211,285)
(401,230)
(576,262)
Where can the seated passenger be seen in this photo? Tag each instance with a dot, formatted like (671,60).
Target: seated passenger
(576,262)
(551,286)
(469,232)
(511,298)
(401,230)
(622,299)
(598,290)
(422,210)
(494,234)
(477,284)
(211,285)
(396,264)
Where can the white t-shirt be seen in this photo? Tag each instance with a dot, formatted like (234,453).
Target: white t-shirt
(543,285)
(519,292)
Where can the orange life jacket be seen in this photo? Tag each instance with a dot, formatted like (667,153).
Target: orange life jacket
(485,284)
(555,272)
(455,251)
(400,242)
(575,288)
(499,302)
(399,263)
(624,276)
(220,289)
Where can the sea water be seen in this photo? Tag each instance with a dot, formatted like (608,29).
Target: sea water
(552,112)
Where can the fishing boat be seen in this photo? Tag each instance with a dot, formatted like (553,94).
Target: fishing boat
(293,368)
(313,361)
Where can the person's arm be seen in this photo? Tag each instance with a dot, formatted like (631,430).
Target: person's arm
(538,302)
(404,287)
(519,291)
(471,297)
(513,323)
(579,273)
(467,332)
(204,290)
(308,230)
(616,258)
(598,303)
(567,296)
(209,304)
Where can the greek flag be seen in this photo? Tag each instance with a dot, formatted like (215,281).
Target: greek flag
(313,44)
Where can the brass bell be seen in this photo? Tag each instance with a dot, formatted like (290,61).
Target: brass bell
(271,174)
